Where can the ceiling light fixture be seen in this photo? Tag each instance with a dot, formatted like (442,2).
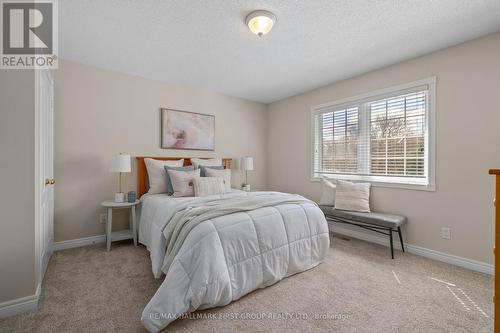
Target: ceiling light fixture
(260,22)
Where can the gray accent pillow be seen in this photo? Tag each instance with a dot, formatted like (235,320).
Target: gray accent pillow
(170,189)
(204,168)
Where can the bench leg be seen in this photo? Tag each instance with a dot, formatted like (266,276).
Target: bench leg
(392,245)
(401,239)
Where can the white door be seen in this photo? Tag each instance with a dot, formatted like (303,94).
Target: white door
(46,169)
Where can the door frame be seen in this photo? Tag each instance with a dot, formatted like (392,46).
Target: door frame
(41,262)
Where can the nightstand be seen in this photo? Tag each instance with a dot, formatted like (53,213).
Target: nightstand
(129,233)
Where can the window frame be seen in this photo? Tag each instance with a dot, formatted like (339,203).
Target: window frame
(425,184)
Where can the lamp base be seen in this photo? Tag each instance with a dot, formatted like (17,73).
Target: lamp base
(246,187)
(119,197)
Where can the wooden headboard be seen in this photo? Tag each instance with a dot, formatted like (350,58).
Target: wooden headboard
(142,173)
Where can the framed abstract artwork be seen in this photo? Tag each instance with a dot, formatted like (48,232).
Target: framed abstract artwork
(187,130)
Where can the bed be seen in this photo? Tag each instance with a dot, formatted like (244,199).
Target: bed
(216,249)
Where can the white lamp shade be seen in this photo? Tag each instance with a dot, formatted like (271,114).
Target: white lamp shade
(246,163)
(121,163)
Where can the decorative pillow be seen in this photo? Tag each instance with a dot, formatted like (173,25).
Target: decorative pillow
(327,193)
(353,196)
(225,174)
(170,189)
(157,175)
(182,182)
(204,186)
(197,162)
(204,168)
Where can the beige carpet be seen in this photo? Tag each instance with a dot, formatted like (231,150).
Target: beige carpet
(355,290)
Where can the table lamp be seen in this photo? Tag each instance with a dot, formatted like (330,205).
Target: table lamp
(246,164)
(120,163)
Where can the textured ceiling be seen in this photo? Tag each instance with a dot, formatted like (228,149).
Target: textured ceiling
(205,44)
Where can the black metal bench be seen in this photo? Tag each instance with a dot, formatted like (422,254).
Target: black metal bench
(384,224)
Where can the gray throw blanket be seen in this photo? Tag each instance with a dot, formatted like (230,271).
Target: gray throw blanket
(188,216)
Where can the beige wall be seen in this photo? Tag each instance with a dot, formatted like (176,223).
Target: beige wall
(100,113)
(17,176)
(468,144)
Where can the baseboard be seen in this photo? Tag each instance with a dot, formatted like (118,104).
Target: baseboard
(69,244)
(417,250)
(20,305)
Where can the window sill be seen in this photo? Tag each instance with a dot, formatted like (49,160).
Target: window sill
(380,183)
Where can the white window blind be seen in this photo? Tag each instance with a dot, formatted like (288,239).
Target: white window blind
(397,135)
(340,140)
(380,138)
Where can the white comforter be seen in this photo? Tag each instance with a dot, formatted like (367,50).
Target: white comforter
(224,258)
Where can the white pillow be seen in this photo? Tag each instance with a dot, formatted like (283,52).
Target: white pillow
(182,182)
(157,175)
(224,174)
(353,196)
(327,193)
(204,186)
(197,162)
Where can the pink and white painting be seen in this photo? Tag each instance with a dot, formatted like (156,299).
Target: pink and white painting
(187,130)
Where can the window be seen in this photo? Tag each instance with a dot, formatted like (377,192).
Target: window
(384,137)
